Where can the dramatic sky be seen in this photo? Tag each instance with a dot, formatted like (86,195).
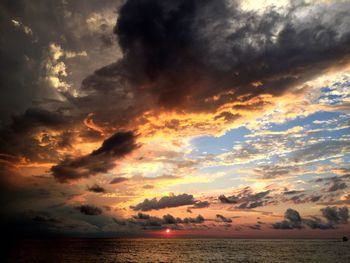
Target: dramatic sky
(208,117)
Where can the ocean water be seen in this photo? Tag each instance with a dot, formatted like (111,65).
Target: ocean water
(179,250)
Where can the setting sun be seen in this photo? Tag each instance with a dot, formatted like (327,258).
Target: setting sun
(167,231)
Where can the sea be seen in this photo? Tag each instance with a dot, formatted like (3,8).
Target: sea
(96,250)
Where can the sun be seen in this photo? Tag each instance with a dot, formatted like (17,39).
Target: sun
(167,231)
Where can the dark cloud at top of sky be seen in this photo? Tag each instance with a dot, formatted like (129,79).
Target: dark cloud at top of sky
(179,54)
(30,28)
(176,55)
(99,161)
(164,202)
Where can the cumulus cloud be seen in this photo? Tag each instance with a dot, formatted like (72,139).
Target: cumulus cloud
(316,223)
(293,220)
(169,219)
(246,199)
(146,221)
(164,202)
(294,217)
(196,220)
(334,216)
(100,160)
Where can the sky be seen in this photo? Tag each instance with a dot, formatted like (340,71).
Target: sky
(210,118)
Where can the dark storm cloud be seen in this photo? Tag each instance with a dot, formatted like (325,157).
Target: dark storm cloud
(98,161)
(89,210)
(246,199)
(34,117)
(18,138)
(28,28)
(96,188)
(29,102)
(165,202)
(179,54)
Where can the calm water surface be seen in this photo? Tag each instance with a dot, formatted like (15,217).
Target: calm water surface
(179,250)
